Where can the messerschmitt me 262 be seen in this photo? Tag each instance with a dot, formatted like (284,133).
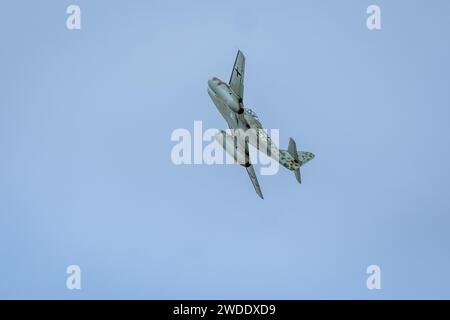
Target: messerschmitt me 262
(228,98)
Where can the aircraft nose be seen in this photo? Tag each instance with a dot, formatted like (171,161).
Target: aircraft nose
(211,83)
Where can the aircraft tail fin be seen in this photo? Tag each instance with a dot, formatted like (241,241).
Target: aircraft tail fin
(292,159)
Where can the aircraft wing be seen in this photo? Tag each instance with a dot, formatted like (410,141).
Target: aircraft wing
(252,175)
(237,75)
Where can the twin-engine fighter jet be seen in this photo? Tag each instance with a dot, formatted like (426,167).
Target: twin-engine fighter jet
(246,128)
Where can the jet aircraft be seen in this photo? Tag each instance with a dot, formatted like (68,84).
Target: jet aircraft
(246,128)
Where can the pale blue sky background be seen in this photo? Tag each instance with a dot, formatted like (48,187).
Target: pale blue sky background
(86,176)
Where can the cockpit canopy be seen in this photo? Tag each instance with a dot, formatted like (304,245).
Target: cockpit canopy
(252,113)
(252,119)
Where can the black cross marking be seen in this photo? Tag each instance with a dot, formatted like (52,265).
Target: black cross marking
(237,71)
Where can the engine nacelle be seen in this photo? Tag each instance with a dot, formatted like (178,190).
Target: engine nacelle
(226,95)
(231,100)
(231,145)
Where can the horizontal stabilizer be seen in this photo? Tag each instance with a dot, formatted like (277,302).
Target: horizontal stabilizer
(305,156)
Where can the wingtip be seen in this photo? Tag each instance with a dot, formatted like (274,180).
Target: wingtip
(259,193)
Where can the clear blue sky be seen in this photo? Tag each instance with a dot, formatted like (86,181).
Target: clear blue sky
(86,176)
